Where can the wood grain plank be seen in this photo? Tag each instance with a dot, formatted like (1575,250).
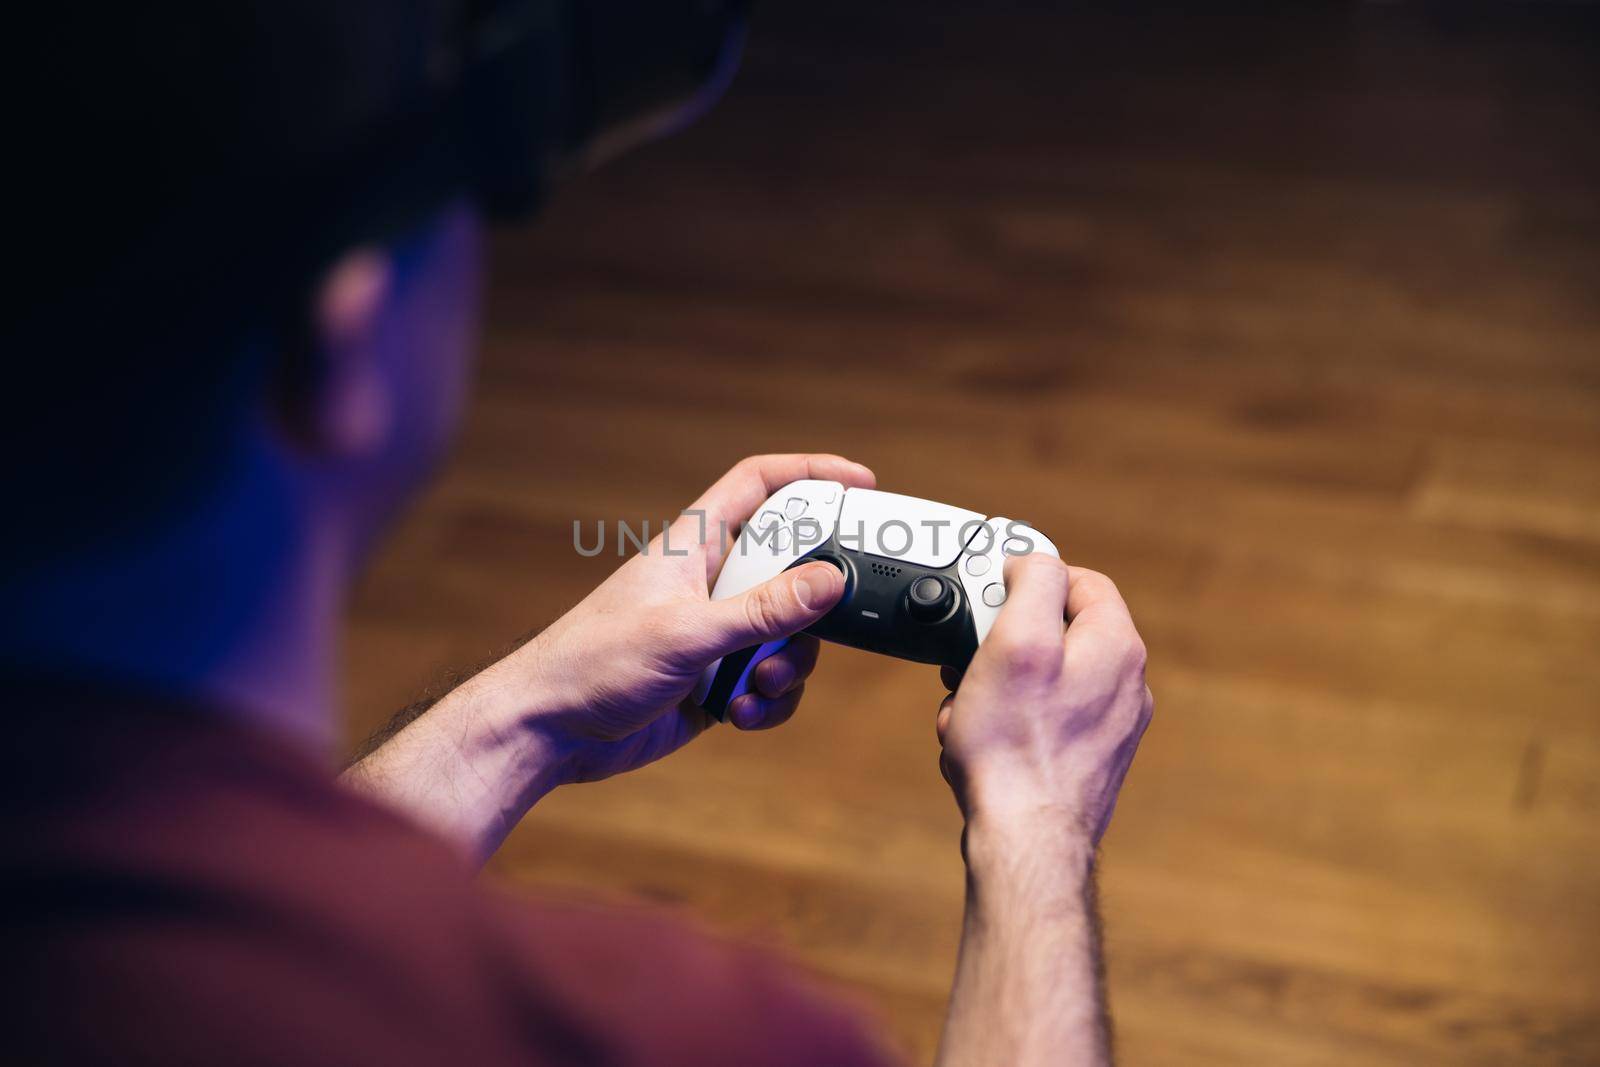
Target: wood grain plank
(1285,320)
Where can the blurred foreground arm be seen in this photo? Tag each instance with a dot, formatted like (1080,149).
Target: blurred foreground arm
(1037,741)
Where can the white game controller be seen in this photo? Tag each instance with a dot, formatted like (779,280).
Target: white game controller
(923,581)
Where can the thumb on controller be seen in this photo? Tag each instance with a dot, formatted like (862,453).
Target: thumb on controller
(778,607)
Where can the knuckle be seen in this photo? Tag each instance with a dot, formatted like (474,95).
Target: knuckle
(763,611)
(1045,563)
(1133,708)
(753,464)
(1100,581)
(1044,567)
(1134,653)
(1026,656)
(1039,567)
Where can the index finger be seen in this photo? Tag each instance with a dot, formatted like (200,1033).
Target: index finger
(1093,600)
(1101,635)
(736,495)
(1036,597)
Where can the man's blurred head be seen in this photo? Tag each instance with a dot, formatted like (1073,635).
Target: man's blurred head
(255,225)
(210,264)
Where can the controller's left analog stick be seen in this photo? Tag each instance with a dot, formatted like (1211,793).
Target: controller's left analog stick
(839,565)
(829,557)
(930,598)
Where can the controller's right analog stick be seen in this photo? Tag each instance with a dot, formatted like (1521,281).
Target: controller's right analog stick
(930,598)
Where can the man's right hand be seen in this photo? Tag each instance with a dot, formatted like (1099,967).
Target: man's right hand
(1046,720)
(1037,740)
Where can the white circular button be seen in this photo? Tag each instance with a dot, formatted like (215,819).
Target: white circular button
(781,538)
(795,508)
(977,566)
(994,594)
(767,519)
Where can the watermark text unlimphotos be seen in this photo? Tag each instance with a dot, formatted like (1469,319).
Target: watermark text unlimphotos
(894,538)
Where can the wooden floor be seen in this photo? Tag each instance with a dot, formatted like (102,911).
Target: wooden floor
(1290,323)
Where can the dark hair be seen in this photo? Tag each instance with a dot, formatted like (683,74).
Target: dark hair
(187,173)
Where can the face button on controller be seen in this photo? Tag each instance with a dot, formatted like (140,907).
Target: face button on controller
(994,594)
(795,507)
(977,566)
(781,538)
(930,598)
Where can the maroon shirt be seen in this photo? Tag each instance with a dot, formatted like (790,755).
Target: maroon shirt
(180,888)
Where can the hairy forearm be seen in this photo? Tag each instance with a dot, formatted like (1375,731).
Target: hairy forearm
(469,766)
(1027,989)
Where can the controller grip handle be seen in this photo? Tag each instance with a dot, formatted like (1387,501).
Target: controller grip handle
(732,678)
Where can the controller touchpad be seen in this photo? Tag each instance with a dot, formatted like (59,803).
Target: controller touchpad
(905,528)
